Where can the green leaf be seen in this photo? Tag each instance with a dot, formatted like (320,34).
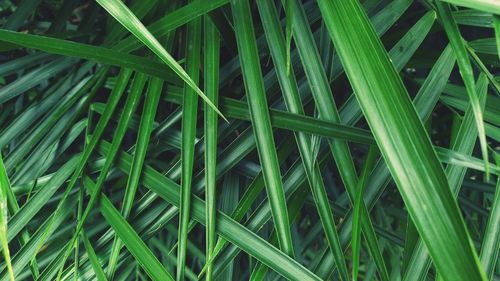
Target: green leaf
(295,203)
(490,6)
(286,120)
(23,11)
(463,143)
(123,15)
(259,115)
(286,77)
(251,194)
(189,118)
(4,186)
(458,45)
(357,206)
(94,260)
(89,52)
(402,140)
(130,106)
(173,20)
(23,216)
(327,109)
(226,227)
(288,33)
(64,75)
(211,64)
(473,18)
(145,127)
(117,92)
(496,24)
(33,78)
(400,54)
(491,240)
(132,241)
(59,112)
(29,250)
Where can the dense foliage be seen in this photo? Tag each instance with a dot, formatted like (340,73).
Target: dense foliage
(249,140)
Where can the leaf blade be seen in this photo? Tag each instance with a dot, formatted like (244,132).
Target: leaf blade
(397,145)
(212,57)
(123,15)
(4,186)
(261,121)
(188,131)
(466,72)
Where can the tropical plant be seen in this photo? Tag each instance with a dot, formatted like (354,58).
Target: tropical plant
(250,140)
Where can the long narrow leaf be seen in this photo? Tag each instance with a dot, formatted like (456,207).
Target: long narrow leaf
(466,72)
(286,77)
(491,240)
(130,238)
(489,6)
(260,120)
(4,185)
(130,106)
(99,273)
(212,57)
(327,109)
(356,220)
(463,143)
(123,15)
(173,20)
(189,116)
(117,92)
(149,111)
(226,227)
(402,140)
(89,52)
(496,24)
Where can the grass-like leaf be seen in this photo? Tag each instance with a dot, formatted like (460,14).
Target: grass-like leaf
(286,120)
(4,186)
(130,106)
(280,179)
(245,203)
(94,260)
(466,71)
(122,14)
(212,58)
(226,227)
(144,131)
(286,77)
(463,142)
(189,116)
(173,20)
(111,105)
(496,24)
(327,109)
(85,51)
(358,203)
(387,108)
(491,241)
(490,6)
(130,238)
(261,121)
